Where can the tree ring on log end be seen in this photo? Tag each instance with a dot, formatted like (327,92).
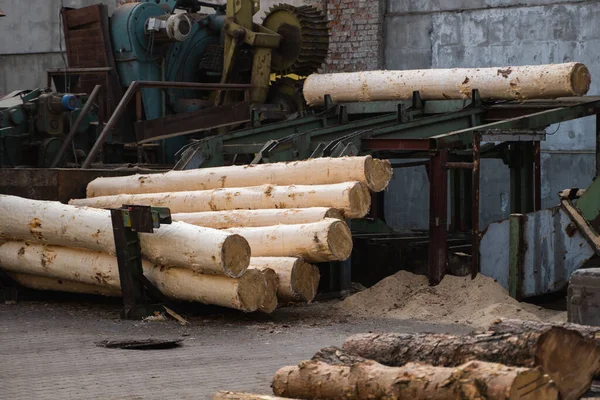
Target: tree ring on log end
(360,201)
(305,277)
(251,290)
(339,240)
(564,355)
(378,173)
(235,255)
(581,79)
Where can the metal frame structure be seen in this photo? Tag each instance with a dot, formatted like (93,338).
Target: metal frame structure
(452,135)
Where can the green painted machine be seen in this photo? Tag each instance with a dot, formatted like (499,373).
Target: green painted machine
(166,41)
(33,125)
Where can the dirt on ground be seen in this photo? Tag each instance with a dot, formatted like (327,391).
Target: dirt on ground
(456,300)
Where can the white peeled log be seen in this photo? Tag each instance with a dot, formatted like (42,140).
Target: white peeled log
(498,83)
(99,269)
(353,198)
(253,218)
(327,240)
(179,244)
(298,280)
(375,173)
(61,285)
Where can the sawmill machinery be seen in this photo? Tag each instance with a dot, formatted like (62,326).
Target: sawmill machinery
(33,124)
(202,71)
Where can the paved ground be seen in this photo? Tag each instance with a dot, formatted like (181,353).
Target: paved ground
(48,350)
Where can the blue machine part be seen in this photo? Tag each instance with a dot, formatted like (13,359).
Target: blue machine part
(69,102)
(138,60)
(134,54)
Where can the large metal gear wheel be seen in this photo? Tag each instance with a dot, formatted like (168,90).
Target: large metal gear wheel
(305,39)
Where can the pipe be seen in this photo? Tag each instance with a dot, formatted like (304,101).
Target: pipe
(133,88)
(75,127)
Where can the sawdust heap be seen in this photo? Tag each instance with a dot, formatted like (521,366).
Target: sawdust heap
(461,300)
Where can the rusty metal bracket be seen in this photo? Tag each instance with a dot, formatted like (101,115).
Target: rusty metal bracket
(584,227)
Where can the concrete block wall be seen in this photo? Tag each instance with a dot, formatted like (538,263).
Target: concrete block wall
(486,33)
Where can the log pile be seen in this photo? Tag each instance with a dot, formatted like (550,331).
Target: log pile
(511,360)
(244,237)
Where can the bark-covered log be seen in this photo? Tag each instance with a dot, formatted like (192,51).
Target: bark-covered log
(253,218)
(516,325)
(376,174)
(326,240)
(61,285)
(371,380)
(179,244)
(353,198)
(564,355)
(88,267)
(336,356)
(298,280)
(506,83)
(224,395)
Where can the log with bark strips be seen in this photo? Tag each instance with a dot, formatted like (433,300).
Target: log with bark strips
(371,380)
(179,244)
(298,280)
(224,395)
(506,83)
(353,198)
(87,267)
(568,358)
(327,240)
(375,173)
(254,218)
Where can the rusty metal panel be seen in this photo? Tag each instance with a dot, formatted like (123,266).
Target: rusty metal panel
(184,123)
(52,184)
(552,252)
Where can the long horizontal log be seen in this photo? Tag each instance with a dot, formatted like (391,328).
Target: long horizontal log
(253,218)
(61,285)
(224,395)
(353,198)
(327,240)
(371,380)
(375,173)
(564,355)
(88,267)
(298,280)
(506,83)
(204,250)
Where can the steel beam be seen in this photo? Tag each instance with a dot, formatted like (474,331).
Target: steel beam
(438,216)
(537,120)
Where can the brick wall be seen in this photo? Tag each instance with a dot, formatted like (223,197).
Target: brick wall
(356,28)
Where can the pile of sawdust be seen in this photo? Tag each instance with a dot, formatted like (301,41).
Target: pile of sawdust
(476,302)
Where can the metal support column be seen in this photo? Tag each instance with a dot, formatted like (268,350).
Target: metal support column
(522,184)
(475,205)
(460,199)
(597,144)
(516,254)
(538,175)
(137,292)
(438,215)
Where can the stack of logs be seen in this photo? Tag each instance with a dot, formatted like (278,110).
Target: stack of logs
(513,359)
(243,237)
